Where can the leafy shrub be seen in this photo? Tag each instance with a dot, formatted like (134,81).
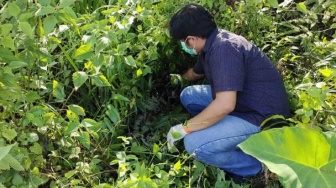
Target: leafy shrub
(86,96)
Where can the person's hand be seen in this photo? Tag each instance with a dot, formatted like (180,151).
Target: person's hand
(175,133)
(176,79)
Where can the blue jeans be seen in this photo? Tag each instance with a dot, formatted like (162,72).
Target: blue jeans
(217,144)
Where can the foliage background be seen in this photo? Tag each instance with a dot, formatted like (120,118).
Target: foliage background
(87,96)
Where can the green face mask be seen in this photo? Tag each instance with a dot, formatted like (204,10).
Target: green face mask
(186,49)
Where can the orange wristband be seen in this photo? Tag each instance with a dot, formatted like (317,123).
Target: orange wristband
(187,130)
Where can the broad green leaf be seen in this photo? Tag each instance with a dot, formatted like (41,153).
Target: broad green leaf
(44,2)
(32,96)
(83,50)
(77,109)
(36,148)
(100,81)
(7,55)
(79,78)
(8,42)
(72,116)
(137,148)
(27,29)
(66,3)
(17,179)
(6,28)
(70,173)
(129,60)
(274,3)
(24,17)
(5,150)
(300,157)
(13,9)
(49,24)
(17,64)
(120,97)
(58,90)
(301,7)
(84,139)
(32,137)
(71,127)
(9,134)
(12,162)
(91,124)
(44,11)
(37,181)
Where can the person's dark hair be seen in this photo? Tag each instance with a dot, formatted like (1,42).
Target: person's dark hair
(192,20)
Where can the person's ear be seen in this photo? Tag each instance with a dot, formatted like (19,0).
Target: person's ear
(191,41)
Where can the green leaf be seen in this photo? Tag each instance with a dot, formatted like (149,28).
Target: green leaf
(32,137)
(36,181)
(120,97)
(300,157)
(138,72)
(17,64)
(156,148)
(113,114)
(6,28)
(66,3)
(7,55)
(77,109)
(32,96)
(83,51)
(72,116)
(301,7)
(44,11)
(273,3)
(13,9)
(79,78)
(27,29)
(49,24)
(17,179)
(71,127)
(9,134)
(5,150)
(24,17)
(91,124)
(44,2)
(8,42)
(84,139)
(129,60)
(177,165)
(70,173)
(12,162)
(36,148)
(100,81)
(58,91)
(326,72)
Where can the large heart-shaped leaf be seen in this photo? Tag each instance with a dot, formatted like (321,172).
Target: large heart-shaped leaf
(300,157)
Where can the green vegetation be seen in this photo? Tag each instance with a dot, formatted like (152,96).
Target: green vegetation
(86,96)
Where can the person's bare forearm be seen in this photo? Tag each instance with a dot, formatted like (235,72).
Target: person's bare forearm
(217,110)
(191,75)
